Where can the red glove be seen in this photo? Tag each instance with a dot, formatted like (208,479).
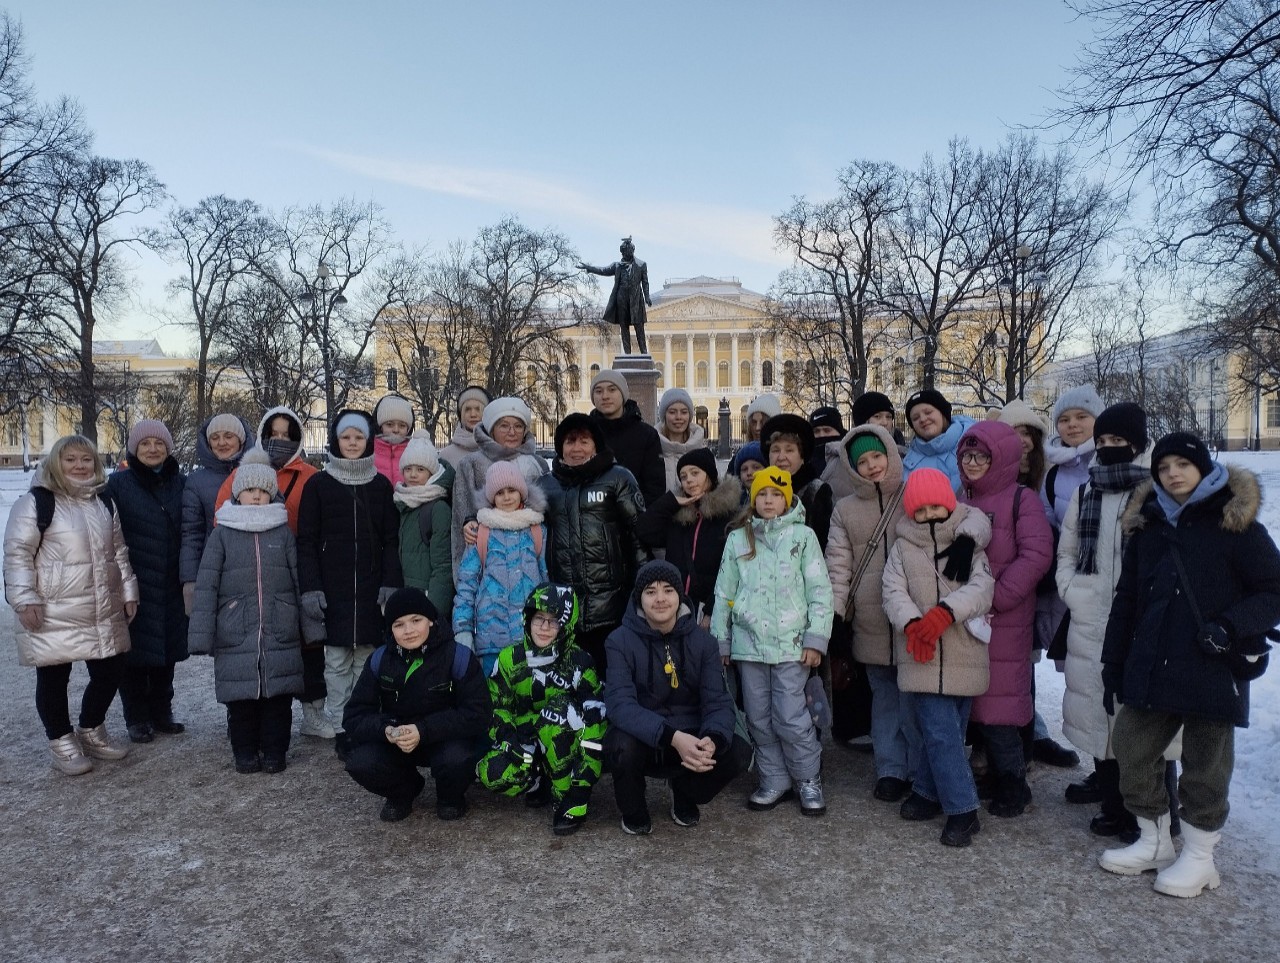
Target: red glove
(933,623)
(920,648)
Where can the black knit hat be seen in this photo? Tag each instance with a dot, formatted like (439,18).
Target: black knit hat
(700,458)
(1185,445)
(1125,420)
(409,601)
(870,403)
(788,425)
(826,417)
(659,570)
(577,421)
(929,396)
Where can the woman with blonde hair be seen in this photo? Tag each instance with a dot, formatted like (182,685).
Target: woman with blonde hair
(68,578)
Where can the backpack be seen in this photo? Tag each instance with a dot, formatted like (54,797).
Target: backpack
(45,504)
(461,661)
(482,542)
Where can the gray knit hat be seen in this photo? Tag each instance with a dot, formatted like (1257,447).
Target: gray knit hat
(225,422)
(1083,397)
(613,377)
(255,471)
(670,397)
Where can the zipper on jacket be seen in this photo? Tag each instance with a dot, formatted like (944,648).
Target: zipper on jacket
(884,548)
(262,612)
(693,554)
(937,587)
(355,571)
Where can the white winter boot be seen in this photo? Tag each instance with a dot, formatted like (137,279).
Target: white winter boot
(67,756)
(96,743)
(315,722)
(1153,850)
(1194,869)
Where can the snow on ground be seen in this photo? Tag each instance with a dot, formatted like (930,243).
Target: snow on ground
(1255,787)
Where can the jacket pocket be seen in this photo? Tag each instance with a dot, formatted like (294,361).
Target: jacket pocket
(230,623)
(51,580)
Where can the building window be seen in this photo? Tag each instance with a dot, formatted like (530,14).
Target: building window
(530,377)
(742,422)
(575,380)
(899,373)
(595,370)
(393,379)
(682,376)
(744,374)
(877,374)
(704,375)
(788,375)
(1273,412)
(722,374)
(766,375)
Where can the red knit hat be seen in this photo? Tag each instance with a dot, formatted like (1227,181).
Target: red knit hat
(928,486)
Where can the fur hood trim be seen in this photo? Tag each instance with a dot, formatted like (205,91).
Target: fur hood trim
(1239,510)
(723,501)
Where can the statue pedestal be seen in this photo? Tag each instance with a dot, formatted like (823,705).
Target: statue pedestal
(642,382)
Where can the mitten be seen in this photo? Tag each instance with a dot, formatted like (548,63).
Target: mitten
(467,639)
(384,595)
(314,604)
(1214,640)
(189,597)
(959,558)
(934,622)
(1112,681)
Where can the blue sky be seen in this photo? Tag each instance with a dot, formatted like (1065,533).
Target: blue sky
(688,125)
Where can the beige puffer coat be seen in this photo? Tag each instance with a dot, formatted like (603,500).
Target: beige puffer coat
(913,584)
(852,524)
(80,573)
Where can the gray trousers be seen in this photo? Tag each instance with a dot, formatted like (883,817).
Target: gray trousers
(787,747)
(1140,739)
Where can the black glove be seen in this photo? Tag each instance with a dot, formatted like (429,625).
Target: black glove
(1112,680)
(959,558)
(1214,640)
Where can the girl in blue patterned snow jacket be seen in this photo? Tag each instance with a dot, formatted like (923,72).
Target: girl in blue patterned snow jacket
(772,616)
(507,562)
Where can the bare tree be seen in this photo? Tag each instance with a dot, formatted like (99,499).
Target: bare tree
(264,344)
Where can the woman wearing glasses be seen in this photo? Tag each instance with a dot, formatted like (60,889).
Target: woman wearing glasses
(1020,553)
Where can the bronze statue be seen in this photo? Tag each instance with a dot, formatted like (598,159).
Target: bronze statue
(630,294)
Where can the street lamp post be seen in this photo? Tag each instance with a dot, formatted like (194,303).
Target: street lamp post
(319,304)
(1016,283)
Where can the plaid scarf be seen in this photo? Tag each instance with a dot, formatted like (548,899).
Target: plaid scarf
(1123,477)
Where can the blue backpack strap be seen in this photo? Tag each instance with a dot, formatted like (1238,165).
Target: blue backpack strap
(461,661)
(375,660)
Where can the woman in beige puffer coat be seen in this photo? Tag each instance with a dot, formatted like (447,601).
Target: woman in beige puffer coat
(74,593)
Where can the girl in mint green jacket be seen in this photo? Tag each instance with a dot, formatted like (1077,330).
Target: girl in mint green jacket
(772,617)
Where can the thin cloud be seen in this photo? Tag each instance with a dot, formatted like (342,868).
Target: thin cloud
(735,231)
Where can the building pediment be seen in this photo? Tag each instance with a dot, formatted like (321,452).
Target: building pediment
(702,307)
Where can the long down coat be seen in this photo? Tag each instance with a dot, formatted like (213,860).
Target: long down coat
(200,498)
(149,505)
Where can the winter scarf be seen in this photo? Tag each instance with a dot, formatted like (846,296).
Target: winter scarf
(1209,485)
(414,496)
(352,471)
(1123,477)
(253,518)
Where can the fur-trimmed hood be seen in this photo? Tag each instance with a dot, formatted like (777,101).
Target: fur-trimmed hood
(1238,504)
(852,481)
(723,501)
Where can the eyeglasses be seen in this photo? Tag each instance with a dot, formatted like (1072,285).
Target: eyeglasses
(975,458)
(545,622)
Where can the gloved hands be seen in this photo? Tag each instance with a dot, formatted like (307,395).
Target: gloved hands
(313,605)
(465,638)
(1112,681)
(189,597)
(1214,640)
(959,558)
(919,650)
(384,595)
(923,633)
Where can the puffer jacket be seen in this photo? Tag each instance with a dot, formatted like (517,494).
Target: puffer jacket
(1088,597)
(913,585)
(200,498)
(564,681)
(79,572)
(592,542)
(818,501)
(246,611)
(386,458)
(149,505)
(291,479)
(468,482)
(637,447)
(1067,469)
(428,564)
(852,524)
(693,535)
(1234,572)
(940,452)
(771,607)
(673,451)
(1019,553)
(461,444)
(488,608)
(638,693)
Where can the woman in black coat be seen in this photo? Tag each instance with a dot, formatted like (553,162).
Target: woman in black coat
(148,497)
(1199,589)
(592,507)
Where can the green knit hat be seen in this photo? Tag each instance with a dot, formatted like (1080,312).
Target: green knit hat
(863,444)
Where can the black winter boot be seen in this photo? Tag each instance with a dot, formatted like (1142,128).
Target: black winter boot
(960,828)
(1011,798)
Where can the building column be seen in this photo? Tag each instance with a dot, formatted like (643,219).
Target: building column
(713,380)
(668,373)
(690,372)
(733,363)
(756,374)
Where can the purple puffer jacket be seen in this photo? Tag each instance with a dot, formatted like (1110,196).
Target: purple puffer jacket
(1020,553)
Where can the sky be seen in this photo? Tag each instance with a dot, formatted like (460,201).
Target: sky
(687,125)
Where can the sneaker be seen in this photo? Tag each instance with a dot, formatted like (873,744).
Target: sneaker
(568,818)
(448,812)
(98,745)
(860,744)
(141,732)
(916,808)
(812,802)
(637,825)
(247,763)
(891,789)
(68,757)
(684,811)
(393,812)
(959,829)
(314,721)
(1051,754)
(1086,792)
(762,800)
(274,764)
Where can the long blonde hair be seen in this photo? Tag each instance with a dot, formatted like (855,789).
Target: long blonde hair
(55,480)
(744,521)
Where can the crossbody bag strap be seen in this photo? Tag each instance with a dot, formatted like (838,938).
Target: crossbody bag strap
(881,527)
(1186,585)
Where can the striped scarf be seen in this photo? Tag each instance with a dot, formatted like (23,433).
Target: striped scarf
(1123,477)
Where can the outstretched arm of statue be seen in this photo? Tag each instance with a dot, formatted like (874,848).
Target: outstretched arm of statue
(590,269)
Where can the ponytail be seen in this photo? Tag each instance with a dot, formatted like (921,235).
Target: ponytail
(744,521)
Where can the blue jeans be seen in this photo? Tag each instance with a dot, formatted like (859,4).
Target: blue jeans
(944,774)
(895,737)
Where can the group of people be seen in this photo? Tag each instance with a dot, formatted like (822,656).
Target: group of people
(627,609)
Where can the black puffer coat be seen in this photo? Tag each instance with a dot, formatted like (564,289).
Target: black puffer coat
(200,496)
(591,516)
(1234,570)
(819,504)
(637,447)
(149,505)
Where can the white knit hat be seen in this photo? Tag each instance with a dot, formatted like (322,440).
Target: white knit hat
(769,404)
(614,378)
(1083,397)
(501,408)
(225,422)
(420,452)
(393,408)
(1018,412)
(255,471)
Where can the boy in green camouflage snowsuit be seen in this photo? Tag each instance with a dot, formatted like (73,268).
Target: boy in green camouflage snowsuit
(548,714)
